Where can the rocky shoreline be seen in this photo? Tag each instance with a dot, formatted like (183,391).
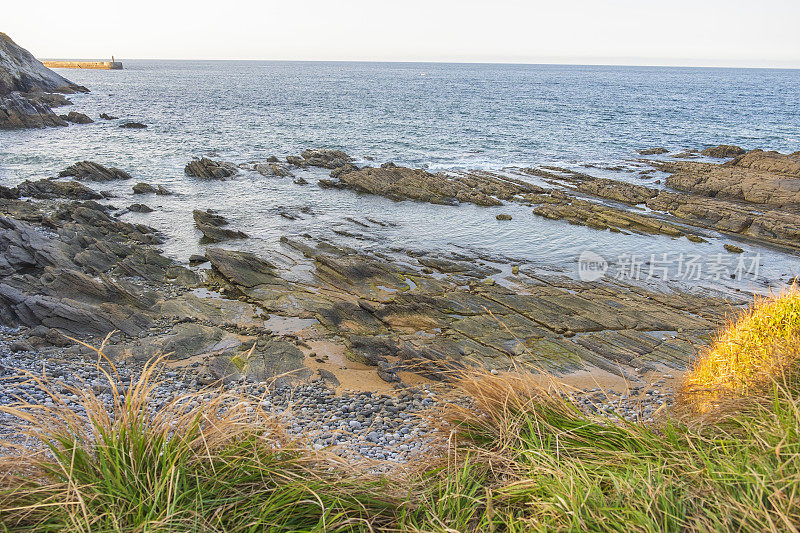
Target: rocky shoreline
(361,350)
(364,340)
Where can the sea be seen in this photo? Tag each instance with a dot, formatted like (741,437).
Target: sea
(438,116)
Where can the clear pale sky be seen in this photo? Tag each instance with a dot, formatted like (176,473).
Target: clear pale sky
(640,32)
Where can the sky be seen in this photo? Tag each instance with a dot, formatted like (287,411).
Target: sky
(759,33)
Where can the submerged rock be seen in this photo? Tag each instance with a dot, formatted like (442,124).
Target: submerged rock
(133,125)
(208,169)
(732,248)
(106,116)
(89,170)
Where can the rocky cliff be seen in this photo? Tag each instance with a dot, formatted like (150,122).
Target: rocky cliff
(25,89)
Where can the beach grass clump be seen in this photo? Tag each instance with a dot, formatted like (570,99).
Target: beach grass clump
(525,459)
(758,344)
(220,464)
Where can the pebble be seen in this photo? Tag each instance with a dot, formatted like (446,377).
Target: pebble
(359,424)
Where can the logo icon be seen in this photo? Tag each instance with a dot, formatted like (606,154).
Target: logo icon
(591,266)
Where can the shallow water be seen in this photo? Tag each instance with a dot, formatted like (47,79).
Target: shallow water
(442,116)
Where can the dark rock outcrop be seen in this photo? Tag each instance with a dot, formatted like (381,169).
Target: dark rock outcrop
(212,227)
(50,189)
(20,71)
(18,112)
(133,125)
(89,170)
(241,268)
(330,159)
(208,169)
(270,169)
(723,150)
(106,116)
(146,188)
(140,208)
(76,118)
(653,151)
(75,276)
(24,80)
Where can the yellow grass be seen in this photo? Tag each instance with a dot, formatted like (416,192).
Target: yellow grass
(756,346)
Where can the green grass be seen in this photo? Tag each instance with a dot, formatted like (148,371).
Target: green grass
(538,464)
(223,466)
(518,459)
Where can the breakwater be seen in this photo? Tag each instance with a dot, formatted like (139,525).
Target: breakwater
(101,65)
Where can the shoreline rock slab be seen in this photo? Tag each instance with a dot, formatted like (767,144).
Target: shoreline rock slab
(402,183)
(757,177)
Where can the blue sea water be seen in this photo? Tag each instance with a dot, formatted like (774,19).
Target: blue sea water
(441,116)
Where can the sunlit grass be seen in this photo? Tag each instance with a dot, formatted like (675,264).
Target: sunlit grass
(757,345)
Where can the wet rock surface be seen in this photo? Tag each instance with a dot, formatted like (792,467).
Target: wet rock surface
(18,112)
(765,178)
(50,189)
(653,151)
(330,159)
(271,169)
(146,188)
